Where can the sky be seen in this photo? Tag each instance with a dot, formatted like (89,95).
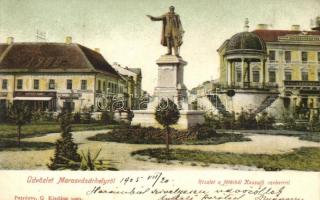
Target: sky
(125,35)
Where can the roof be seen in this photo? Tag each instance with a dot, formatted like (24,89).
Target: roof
(272,35)
(127,72)
(245,42)
(52,57)
(3,47)
(135,70)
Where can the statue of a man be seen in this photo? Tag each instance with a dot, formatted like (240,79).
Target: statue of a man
(172,31)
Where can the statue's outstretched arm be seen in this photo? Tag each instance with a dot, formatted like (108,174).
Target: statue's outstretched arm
(156,18)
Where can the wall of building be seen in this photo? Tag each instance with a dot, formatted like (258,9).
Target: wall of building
(83,99)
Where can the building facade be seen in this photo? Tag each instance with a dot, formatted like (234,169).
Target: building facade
(270,70)
(133,78)
(51,76)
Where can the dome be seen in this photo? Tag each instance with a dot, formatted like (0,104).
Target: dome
(246,42)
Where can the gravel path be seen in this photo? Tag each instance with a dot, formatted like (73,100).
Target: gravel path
(119,153)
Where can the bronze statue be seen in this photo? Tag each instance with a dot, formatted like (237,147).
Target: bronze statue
(172,31)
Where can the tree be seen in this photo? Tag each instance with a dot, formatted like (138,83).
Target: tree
(167,114)
(65,156)
(21,114)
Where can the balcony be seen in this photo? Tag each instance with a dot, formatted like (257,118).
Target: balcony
(302,85)
(251,85)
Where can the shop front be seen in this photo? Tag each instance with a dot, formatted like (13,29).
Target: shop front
(38,101)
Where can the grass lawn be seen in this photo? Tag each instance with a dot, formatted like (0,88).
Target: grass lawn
(11,145)
(305,158)
(313,136)
(303,135)
(38,129)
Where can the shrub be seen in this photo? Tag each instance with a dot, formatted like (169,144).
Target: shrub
(265,121)
(203,132)
(167,114)
(77,118)
(65,156)
(314,124)
(200,134)
(86,118)
(212,120)
(246,120)
(289,122)
(3,113)
(107,117)
(228,121)
(20,114)
(36,116)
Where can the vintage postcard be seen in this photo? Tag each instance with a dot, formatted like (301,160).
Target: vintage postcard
(163,99)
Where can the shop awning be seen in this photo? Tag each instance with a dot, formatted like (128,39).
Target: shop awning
(32,98)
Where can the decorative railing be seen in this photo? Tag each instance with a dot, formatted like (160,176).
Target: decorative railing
(302,83)
(250,85)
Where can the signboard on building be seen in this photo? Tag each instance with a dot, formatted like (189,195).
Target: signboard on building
(33,94)
(69,95)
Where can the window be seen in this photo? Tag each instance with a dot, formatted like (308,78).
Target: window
(256,76)
(83,84)
(272,56)
(238,76)
(51,84)
(272,76)
(69,84)
(287,56)
(304,56)
(99,85)
(19,84)
(318,76)
(104,86)
(4,84)
(36,84)
(318,57)
(304,76)
(287,76)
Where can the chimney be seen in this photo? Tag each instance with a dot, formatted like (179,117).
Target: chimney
(68,40)
(10,40)
(97,50)
(316,26)
(246,25)
(262,26)
(295,27)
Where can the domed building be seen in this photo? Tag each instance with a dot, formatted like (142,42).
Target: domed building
(244,48)
(242,84)
(277,71)
(238,54)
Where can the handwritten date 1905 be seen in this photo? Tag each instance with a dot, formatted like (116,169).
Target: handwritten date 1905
(153,179)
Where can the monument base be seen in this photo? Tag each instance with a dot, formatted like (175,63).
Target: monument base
(188,118)
(169,86)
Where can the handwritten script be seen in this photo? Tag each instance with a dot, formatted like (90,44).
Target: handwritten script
(164,185)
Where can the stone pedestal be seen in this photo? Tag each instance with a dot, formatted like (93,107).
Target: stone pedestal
(170,85)
(188,118)
(170,82)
